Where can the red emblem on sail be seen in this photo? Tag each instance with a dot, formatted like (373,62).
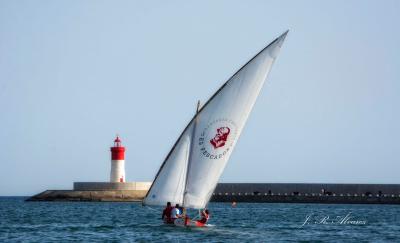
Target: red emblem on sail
(221,137)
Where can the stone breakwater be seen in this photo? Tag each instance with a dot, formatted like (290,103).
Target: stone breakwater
(90,196)
(237,192)
(319,198)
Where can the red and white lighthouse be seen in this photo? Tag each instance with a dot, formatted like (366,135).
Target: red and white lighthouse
(117,162)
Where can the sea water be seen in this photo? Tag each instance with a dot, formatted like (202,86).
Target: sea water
(22,221)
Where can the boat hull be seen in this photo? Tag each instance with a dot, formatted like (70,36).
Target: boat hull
(180,222)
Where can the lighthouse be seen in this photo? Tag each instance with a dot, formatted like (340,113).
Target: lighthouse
(117,162)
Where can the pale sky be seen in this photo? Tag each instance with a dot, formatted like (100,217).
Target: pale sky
(75,73)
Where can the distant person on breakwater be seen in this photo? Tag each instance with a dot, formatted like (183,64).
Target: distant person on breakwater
(166,215)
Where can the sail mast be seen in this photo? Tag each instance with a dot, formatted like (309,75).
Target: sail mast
(190,151)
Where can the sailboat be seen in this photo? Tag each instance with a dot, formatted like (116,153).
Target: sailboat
(191,170)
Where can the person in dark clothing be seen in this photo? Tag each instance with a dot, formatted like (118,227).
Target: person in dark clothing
(166,215)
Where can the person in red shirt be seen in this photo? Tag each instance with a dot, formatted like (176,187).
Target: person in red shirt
(205,216)
(166,215)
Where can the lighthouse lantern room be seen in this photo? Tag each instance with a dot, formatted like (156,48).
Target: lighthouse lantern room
(117,162)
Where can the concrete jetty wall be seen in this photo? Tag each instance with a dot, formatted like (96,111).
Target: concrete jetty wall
(309,188)
(238,192)
(105,186)
(90,196)
(307,193)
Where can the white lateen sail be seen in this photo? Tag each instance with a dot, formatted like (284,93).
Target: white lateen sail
(193,167)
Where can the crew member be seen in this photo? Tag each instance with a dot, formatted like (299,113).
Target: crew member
(175,212)
(205,216)
(166,215)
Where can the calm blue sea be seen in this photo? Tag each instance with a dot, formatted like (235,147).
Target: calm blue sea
(91,222)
